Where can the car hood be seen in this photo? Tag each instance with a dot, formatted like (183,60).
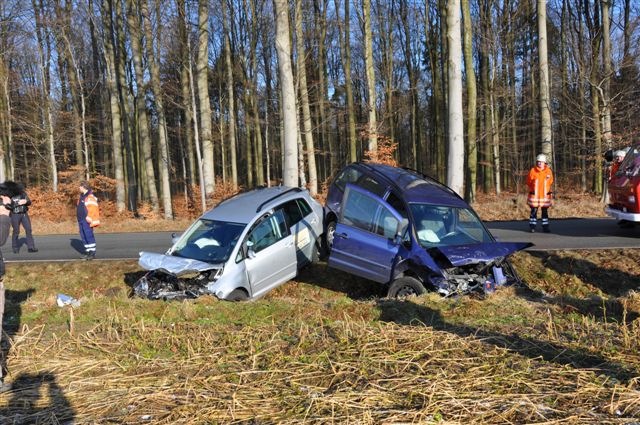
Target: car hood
(462,255)
(172,264)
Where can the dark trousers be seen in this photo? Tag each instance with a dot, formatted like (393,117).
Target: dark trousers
(16,221)
(544,216)
(88,239)
(5,223)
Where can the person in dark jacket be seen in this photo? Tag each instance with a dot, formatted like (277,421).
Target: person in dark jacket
(20,216)
(5,221)
(88,214)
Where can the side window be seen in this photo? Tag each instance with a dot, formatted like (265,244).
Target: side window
(372,186)
(349,175)
(292,212)
(304,207)
(269,231)
(386,224)
(397,204)
(359,211)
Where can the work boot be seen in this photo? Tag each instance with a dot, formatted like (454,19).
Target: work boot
(90,255)
(33,250)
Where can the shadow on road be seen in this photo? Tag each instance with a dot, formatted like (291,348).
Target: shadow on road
(77,245)
(410,314)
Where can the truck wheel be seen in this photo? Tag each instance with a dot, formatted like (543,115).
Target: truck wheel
(238,295)
(406,287)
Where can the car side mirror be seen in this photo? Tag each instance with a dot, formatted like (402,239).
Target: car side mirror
(250,252)
(402,227)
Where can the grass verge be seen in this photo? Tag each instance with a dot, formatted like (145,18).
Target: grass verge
(327,348)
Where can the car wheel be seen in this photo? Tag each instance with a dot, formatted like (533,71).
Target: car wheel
(329,234)
(237,295)
(406,287)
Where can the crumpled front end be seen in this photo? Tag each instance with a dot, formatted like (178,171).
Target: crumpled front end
(174,278)
(160,285)
(480,268)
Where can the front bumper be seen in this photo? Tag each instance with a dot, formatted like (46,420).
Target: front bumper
(621,215)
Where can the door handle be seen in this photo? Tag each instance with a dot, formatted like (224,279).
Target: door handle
(342,235)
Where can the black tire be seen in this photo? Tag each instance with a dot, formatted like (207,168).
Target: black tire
(406,287)
(238,295)
(329,234)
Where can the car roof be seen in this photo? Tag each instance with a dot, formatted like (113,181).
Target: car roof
(416,187)
(243,207)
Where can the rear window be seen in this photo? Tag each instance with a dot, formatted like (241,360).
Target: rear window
(348,175)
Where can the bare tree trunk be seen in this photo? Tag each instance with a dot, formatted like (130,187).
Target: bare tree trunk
(130,145)
(545,102)
(231,99)
(472,94)
(289,111)
(143,120)
(606,83)
(412,75)
(202,69)
(371,78)
(112,86)
(304,99)
(6,132)
(44,57)
(185,91)
(154,70)
(345,51)
(196,136)
(455,161)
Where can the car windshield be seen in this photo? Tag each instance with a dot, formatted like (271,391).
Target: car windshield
(445,226)
(209,240)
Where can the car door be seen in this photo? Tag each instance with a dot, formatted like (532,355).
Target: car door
(365,242)
(302,222)
(271,258)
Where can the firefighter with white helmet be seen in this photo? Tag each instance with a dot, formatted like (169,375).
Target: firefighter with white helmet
(539,182)
(618,157)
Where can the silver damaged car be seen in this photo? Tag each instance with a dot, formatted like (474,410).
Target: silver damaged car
(239,250)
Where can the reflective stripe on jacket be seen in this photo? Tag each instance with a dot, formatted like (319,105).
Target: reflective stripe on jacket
(539,182)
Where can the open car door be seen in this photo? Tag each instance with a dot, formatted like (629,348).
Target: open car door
(368,236)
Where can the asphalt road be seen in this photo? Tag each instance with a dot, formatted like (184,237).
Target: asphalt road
(589,233)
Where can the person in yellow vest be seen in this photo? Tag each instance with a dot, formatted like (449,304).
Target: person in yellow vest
(539,181)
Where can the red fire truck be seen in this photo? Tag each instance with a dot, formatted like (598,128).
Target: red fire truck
(624,189)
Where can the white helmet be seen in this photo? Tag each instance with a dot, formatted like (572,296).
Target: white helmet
(620,153)
(541,158)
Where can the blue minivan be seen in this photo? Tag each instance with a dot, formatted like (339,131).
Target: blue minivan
(411,233)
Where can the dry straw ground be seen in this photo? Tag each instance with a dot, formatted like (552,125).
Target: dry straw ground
(328,348)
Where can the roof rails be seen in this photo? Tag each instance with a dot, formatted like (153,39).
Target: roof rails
(293,189)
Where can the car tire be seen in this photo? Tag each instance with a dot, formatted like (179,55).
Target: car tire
(238,295)
(329,235)
(405,287)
